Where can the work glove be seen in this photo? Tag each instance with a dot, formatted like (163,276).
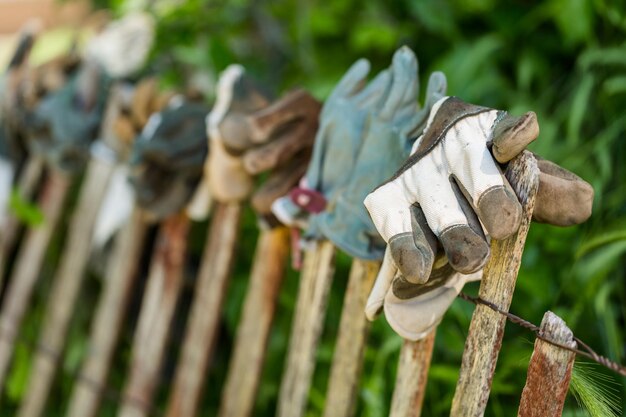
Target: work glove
(450,194)
(65,123)
(167,159)
(251,135)
(362,140)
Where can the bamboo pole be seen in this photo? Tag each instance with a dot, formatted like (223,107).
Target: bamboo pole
(316,280)
(28,266)
(246,365)
(157,311)
(351,339)
(408,395)
(26,187)
(549,372)
(66,288)
(498,283)
(119,282)
(204,316)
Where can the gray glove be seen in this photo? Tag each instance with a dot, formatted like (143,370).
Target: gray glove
(167,159)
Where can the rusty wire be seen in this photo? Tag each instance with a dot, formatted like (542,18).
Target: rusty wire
(587,352)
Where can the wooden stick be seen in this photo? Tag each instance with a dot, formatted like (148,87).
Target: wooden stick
(26,186)
(246,365)
(204,317)
(351,339)
(498,283)
(408,395)
(157,311)
(119,281)
(66,287)
(549,372)
(28,267)
(315,283)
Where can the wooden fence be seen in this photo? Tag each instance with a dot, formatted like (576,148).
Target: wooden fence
(548,373)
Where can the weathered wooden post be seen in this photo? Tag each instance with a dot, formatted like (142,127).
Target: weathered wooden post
(315,282)
(498,283)
(28,266)
(246,366)
(26,186)
(408,394)
(351,339)
(121,275)
(205,311)
(550,370)
(163,288)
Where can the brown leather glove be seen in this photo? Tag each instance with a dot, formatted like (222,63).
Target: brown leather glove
(250,136)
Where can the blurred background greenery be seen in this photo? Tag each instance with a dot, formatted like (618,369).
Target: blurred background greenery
(564,59)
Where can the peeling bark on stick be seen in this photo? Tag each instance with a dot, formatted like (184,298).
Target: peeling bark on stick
(28,267)
(155,319)
(246,366)
(315,282)
(549,372)
(204,317)
(119,281)
(351,339)
(498,283)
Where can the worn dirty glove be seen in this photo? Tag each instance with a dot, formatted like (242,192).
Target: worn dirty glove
(378,119)
(167,159)
(250,135)
(436,200)
(65,123)
(341,125)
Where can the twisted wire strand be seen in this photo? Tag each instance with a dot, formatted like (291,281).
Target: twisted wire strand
(588,352)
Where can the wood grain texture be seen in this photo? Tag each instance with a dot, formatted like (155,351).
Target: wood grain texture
(119,281)
(204,317)
(549,372)
(66,287)
(27,186)
(351,339)
(163,288)
(315,282)
(412,376)
(498,283)
(28,266)
(246,365)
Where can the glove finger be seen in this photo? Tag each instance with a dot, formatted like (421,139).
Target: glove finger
(414,310)
(296,138)
(563,198)
(512,135)
(450,218)
(297,104)
(352,81)
(278,184)
(405,84)
(436,90)
(375,90)
(388,270)
(480,179)
(414,252)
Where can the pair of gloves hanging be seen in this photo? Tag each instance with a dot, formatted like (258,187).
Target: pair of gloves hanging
(437,212)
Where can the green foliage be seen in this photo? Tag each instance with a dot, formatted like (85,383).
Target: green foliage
(595,391)
(25,211)
(563,59)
